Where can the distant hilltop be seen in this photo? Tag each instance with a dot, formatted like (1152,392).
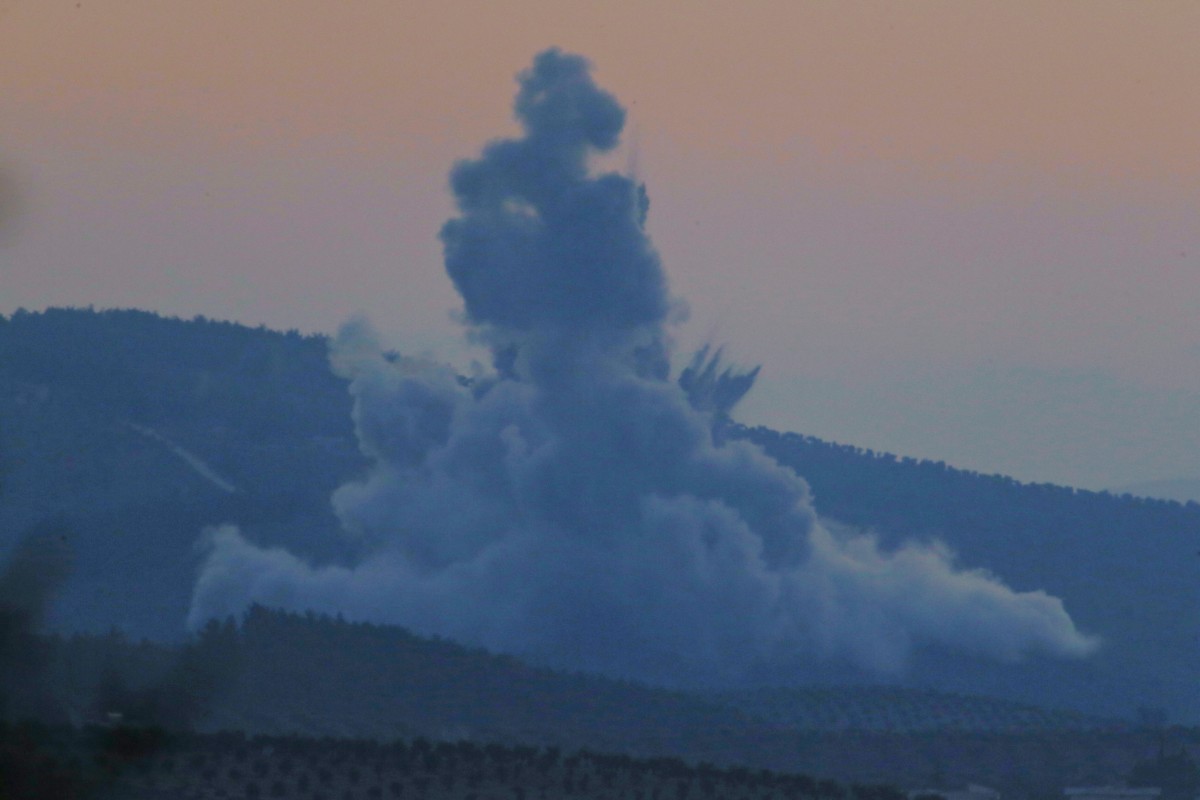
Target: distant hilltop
(1181,490)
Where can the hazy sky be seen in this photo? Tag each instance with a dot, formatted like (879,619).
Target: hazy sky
(963,231)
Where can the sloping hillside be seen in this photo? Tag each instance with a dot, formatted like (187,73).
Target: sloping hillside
(1181,490)
(899,710)
(1126,568)
(133,764)
(287,675)
(132,429)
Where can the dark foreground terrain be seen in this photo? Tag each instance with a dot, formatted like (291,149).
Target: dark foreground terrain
(135,763)
(376,685)
(65,763)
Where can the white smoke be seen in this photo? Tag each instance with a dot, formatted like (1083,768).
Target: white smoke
(572,505)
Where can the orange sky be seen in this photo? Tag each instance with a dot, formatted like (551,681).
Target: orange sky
(1108,88)
(877,200)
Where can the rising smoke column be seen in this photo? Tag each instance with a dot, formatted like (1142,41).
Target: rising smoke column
(571,505)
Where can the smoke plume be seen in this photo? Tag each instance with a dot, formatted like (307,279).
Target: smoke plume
(572,505)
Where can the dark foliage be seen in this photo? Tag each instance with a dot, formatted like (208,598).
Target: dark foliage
(1176,773)
(385,683)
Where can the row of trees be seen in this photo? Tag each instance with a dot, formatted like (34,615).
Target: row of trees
(64,763)
(274,672)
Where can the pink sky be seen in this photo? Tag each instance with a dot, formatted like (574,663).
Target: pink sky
(965,231)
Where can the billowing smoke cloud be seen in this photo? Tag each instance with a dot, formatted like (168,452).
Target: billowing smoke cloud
(572,505)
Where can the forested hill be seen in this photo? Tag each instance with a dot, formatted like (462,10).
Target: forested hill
(273,672)
(258,675)
(1034,535)
(165,370)
(1126,567)
(867,488)
(136,431)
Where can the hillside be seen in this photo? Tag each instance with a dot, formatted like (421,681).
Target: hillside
(1181,490)
(1126,567)
(258,675)
(136,432)
(136,763)
(895,709)
(384,684)
(95,408)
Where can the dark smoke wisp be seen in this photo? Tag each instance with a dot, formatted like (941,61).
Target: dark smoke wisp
(713,386)
(31,578)
(573,505)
